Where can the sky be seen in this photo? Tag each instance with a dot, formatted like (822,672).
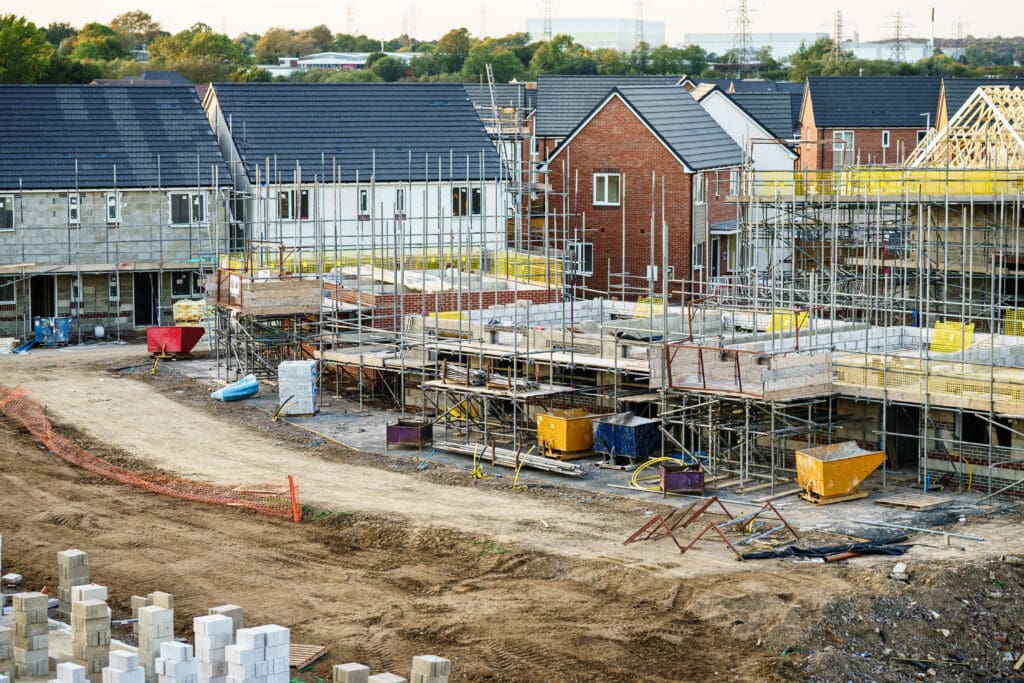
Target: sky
(871,19)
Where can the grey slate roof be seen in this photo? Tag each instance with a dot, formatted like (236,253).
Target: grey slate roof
(873,101)
(390,129)
(773,110)
(153,137)
(959,89)
(506,95)
(564,101)
(682,124)
(172,77)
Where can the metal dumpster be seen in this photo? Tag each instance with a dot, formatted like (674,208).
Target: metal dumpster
(566,430)
(55,331)
(410,433)
(680,478)
(627,435)
(178,340)
(830,474)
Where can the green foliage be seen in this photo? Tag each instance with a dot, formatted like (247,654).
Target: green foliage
(198,53)
(497,53)
(24,53)
(58,32)
(97,42)
(452,50)
(283,42)
(135,28)
(251,74)
(388,69)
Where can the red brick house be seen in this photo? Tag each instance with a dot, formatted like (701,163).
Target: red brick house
(646,159)
(864,121)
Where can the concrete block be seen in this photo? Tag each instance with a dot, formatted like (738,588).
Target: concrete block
(33,668)
(277,665)
(155,630)
(386,677)
(88,591)
(72,558)
(351,673)
(5,679)
(6,634)
(236,654)
(68,672)
(212,625)
(81,624)
(274,651)
(176,669)
(90,609)
(206,653)
(279,678)
(275,635)
(212,669)
(83,652)
(213,679)
(233,612)
(152,614)
(36,642)
(161,599)
(97,638)
(178,652)
(250,638)
(39,628)
(24,602)
(138,602)
(243,671)
(431,665)
(111,675)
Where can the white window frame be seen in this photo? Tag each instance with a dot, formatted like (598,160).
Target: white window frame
(698,189)
(294,208)
(400,201)
(112,200)
(842,147)
(886,139)
(601,194)
(534,146)
(7,201)
(192,218)
(697,262)
(579,252)
(113,288)
(74,208)
(363,205)
(734,182)
(467,200)
(5,282)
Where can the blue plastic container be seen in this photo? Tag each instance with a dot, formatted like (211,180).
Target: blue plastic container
(52,331)
(243,388)
(627,435)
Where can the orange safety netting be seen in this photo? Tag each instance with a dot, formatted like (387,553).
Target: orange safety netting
(15,404)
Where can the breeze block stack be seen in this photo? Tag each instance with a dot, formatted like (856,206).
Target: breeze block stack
(31,634)
(259,655)
(74,571)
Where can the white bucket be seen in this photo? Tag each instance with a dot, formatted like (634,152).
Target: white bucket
(99,332)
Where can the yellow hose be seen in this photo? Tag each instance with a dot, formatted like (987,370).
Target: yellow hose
(636,479)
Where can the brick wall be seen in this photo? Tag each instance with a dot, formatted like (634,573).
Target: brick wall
(616,141)
(390,309)
(867,146)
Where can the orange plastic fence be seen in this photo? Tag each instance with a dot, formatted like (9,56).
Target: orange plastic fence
(15,404)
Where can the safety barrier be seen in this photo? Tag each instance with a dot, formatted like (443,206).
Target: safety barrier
(15,404)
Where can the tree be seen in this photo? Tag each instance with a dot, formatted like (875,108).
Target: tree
(667,60)
(453,48)
(97,42)
(610,62)
(495,52)
(640,57)
(319,38)
(135,28)
(58,32)
(696,59)
(561,55)
(24,53)
(251,74)
(198,53)
(389,69)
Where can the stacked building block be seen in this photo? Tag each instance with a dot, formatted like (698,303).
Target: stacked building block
(430,669)
(259,655)
(67,672)
(7,653)
(234,612)
(213,634)
(124,668)
(74,571)
(176,664)
(31,634)
(5,679)
(90,630)
(155,599)
(386,678)
(156,627)
(351,673)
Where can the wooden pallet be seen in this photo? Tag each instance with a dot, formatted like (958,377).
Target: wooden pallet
(301,656)
(826,500)
(913,501)
(568,455)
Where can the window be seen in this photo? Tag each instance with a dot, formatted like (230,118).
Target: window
(188,208)
(8,292)
(734,182)
(400,202)
(698,188)
(6,212)
(698,257)
(580,258)
(113,288)
(842,148)
(186,283)
(74,209)
(364,202)
(288,210)
(885,139)
(606,189)
(465,201)
(920,135)
(112,200)
(533,145)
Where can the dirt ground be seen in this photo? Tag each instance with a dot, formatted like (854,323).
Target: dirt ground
(529,586)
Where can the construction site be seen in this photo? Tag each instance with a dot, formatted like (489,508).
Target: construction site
(438,439)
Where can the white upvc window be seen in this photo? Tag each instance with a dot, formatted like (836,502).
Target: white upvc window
(6,212)
(734,182)
(842,148)
(187,208)
(580,258)
(112,202)
(8,290)
(466,201)
(74,208)
(698,257)
(698,188)
(290,207)
(364,202)
(606,189)
(885,139)
(534,148)
(400,201)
